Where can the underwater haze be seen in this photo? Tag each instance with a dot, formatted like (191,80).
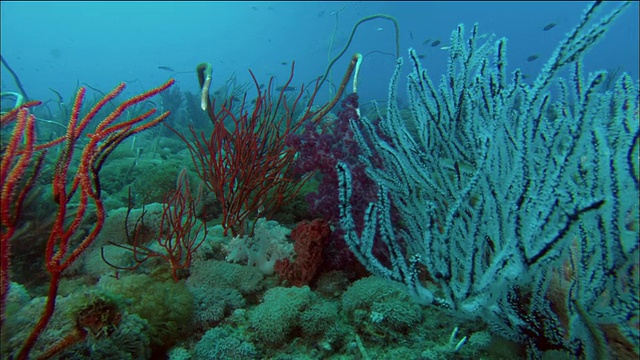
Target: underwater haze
(58,45)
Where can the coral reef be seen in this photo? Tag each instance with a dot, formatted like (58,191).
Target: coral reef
(167,306)
(223,343)
(486,217)
(380,308)
(279,313)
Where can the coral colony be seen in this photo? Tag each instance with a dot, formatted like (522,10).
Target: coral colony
(488,218)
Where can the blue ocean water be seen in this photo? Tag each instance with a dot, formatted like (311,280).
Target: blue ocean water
(60,44)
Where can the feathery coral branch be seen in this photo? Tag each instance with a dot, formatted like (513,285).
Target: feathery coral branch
(17,159)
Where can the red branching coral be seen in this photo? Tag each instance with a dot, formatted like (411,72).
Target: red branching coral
(310,238)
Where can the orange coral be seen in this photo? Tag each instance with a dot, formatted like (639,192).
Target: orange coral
(310,238)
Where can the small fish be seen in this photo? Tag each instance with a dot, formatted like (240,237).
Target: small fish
(411,35)
(165,68)
(379,29)
(421,56)
(288,88)
(446,47)
(549,27)
(532,58)
(426,41)
(283,63)
(435,43)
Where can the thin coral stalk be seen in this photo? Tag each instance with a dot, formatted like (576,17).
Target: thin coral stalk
(179,235)
(249,168)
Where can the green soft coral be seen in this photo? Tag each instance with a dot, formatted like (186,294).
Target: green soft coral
(166,305)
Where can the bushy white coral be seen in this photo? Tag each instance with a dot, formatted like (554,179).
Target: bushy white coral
(268,244)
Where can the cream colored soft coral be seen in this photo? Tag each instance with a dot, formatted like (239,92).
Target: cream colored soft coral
(269,243)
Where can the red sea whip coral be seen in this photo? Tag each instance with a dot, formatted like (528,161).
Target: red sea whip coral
(84,182)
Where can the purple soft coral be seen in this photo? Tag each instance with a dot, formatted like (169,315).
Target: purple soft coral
(320,151)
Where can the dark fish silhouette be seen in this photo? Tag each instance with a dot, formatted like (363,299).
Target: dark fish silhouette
(549,27)
(165,68)
(420,56)
(532,58)
(288,88)
(283,63)
(435,43)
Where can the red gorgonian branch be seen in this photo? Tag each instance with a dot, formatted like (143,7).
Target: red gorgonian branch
(247,165)
(83,182)
(178,234)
